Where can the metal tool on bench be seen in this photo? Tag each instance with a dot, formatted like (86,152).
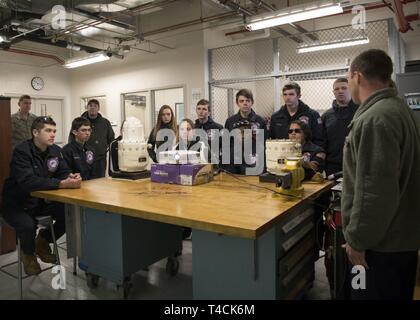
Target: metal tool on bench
(289,180)
(284,166)
(277,151)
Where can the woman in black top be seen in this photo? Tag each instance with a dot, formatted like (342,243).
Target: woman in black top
(313,156)
(166,120)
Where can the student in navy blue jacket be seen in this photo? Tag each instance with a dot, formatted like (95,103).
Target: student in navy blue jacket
(78,155)
(336,122)
(212,128)
(246,119)
(37,164)
(295,109)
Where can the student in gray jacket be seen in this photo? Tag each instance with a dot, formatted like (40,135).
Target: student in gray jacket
(381,183)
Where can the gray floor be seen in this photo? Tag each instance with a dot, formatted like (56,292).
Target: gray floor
(152,284)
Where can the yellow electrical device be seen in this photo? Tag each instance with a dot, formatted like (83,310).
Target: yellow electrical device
(290,179)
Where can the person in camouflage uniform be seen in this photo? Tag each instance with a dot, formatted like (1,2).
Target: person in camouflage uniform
(22,121)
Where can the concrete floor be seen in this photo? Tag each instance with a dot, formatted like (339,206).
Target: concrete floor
(152,284)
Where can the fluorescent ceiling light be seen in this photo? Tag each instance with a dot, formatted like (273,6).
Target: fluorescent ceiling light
(294,14)
(333,45)
(94,58)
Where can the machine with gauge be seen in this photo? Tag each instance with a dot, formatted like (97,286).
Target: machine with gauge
(128,156)
(289,180)
(284,166)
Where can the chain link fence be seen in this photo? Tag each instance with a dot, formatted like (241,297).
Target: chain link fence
(241,61)
(224,96)
(251,66)
(291,61)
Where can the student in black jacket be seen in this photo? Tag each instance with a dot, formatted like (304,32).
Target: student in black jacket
(79,156)
(246,119)
(102,135)
(212,129)
(37,164)
(295,109)
(335,122)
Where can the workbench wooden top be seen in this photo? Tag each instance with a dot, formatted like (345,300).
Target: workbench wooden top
(226,205)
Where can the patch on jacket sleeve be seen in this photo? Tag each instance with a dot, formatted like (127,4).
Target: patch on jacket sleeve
(89,157)
(304,119)
(52,164)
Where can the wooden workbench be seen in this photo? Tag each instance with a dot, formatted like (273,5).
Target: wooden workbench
(249,242)
(226,205)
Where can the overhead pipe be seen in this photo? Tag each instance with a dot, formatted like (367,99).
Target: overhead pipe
(403,21)
(190,23)
(230,14)
(37,54)
(299,28)
(109,19)
(403,24)
(61,44)
(32,36)
(246,12)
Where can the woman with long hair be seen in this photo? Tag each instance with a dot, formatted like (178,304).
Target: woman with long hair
(165,120)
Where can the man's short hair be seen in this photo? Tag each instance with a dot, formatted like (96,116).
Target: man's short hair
(342,79)
(374,64)
(78,122)
(95,101)
(204,102)
(245,93)
(23,97)
(292,86)
(40,122)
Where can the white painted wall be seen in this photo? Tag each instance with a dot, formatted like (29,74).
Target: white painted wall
(183,66)
(171,97)
(413,51)
(17,70)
